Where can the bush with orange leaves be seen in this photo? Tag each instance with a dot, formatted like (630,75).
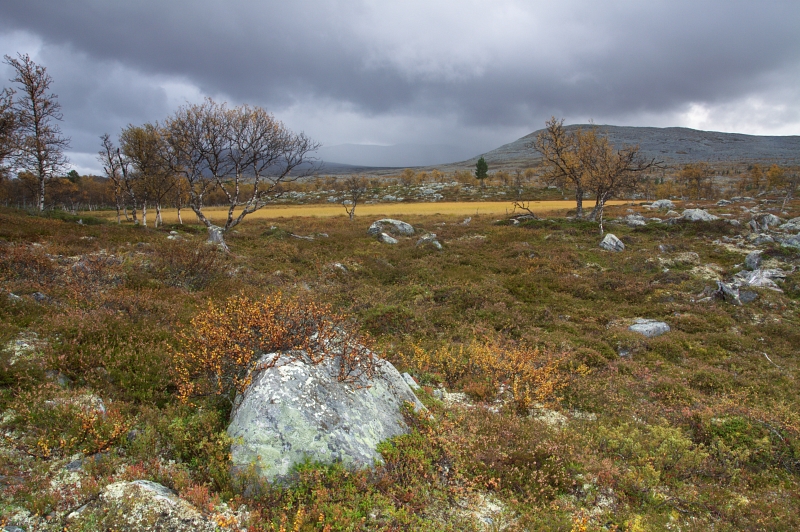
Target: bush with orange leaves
(227,343)
(531,375)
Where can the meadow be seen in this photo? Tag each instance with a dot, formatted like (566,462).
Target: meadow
(455,208)
(696,429)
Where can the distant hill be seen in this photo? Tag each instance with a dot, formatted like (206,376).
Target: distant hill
(673,145)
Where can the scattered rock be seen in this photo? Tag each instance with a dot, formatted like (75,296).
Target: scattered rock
(215,236)
(14,297)
(760,278)
(791,242)
(729,293)
(467,220)
(649,328)
(760,239)
(753,260)
(723,202)
(747,296)
(698,215)
(394,227)
(429,239)
(40,297)
(386,239)
(611,243)
(296,411)
(663,204)
(635,220)
(765,221)
(146,505)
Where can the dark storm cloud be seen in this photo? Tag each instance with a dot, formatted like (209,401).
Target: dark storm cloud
(495,67)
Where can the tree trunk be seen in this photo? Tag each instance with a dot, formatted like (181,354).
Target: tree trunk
(579,203)
(159,221)
(180,220)
(144,214)
(41,194)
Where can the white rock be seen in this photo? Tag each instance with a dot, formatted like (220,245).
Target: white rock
(649,328)
(611,243)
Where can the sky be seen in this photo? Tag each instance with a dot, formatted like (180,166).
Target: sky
(465,76)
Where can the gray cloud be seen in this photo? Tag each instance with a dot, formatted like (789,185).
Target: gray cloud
(474,74)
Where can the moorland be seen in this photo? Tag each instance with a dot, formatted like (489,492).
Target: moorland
(695,429)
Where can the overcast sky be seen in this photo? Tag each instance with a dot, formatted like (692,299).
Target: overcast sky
(470,74)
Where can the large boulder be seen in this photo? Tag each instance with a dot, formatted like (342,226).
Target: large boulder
(698,215)
(393,227)
(296,411)
(611,243)
(791,242)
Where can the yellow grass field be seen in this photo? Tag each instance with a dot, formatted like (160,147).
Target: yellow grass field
(327,210)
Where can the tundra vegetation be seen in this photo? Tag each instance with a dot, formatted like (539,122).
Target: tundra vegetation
(120,354)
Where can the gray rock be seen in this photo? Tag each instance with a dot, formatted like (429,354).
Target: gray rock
(729,293)
(649,328)
(663,204)
(791,242)
(143,501)
(215,236)
(635,220)
(747,296)
(698,215)
(611,243)
(768,220)
(40,297)
(467,220)
(723,202)
(14,297)
(760,239)
(395,227)
(410,381)
(760,278)
(753,260)
(429,239)
(296,411)
(386,239)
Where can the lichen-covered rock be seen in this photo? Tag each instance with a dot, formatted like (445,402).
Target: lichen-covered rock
(296,411)
(649,328)
(429,239)
(386,239)
(611,243)
(141,505)
(215,237)
(791,242)
(698,215)
(662,204)
(765,221)
(753,260)
(393,227)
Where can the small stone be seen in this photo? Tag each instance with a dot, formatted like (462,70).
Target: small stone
(753,260)
(698,215)
(40,297)
(649,328)
(747,296)
(386,239)
(611,243)
(728,293)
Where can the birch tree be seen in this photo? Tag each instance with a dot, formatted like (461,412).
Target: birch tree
(40,144)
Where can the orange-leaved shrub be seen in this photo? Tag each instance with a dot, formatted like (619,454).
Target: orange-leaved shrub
(530,374)
(226,343)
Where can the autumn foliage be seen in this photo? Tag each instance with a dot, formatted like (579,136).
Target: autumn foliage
(226,343)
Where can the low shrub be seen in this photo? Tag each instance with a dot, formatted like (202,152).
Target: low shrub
(223,346)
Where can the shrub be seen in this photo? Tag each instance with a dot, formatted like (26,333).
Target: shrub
(186,264)
(530,374)
(224,345)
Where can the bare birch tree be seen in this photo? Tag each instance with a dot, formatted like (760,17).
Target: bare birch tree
(40,145)
(216,147)
(354,188)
